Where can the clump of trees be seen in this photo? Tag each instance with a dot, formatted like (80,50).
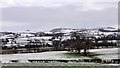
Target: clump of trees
(80,41)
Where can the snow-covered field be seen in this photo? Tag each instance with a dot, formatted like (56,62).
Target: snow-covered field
(109,53)
(105,50)
(51,55)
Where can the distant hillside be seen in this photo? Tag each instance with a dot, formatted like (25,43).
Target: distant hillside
(62,30)
(101,29)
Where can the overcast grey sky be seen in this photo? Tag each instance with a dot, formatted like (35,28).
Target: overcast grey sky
(39,15)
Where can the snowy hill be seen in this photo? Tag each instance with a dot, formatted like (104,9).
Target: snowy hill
(62,30)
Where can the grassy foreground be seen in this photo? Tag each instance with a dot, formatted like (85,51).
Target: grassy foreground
(56,64)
